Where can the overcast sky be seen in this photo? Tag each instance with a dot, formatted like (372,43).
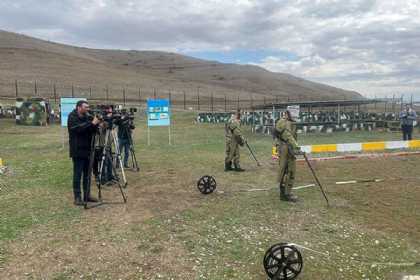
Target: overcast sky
(369,46)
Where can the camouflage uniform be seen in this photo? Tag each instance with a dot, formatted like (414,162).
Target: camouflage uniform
(287,146)
(234,138)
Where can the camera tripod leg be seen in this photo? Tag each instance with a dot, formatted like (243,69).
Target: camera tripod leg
(132,152)
(134,159)
(119,160)
(114,169)
(102,164)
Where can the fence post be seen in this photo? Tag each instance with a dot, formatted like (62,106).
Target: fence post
(237,106)
(16,88)
(139,96)
(90,92)
(124,96)
(212,103)
(107,93)
(72,91)
(170,97)
(198,98)
(252,101)
(225,104)
(36,89)
(402,100)
(185,101)
(55,93)
(154,93)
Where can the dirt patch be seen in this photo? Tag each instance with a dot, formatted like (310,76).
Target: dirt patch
(100,244)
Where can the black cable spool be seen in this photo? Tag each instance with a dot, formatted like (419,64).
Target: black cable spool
(283,261)
(207,184)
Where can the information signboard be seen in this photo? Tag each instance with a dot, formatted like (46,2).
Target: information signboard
(68,104)
(158,113)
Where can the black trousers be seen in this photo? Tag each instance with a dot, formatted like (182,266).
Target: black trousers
(407,131)
(81,170)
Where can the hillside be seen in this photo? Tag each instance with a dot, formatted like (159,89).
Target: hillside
(28,59)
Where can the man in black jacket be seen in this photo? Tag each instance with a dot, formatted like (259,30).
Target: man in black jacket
(81,130)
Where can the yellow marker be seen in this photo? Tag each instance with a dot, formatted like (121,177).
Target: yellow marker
(373,146)
(414,144)
(1,163)
(274,153)
(324,148)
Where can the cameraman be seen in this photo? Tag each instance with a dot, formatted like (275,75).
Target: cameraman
(407,118)
(125,127)
(81,129)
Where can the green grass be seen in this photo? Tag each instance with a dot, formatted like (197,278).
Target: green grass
(220,236)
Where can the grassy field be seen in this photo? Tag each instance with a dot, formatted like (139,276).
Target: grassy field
(168,230)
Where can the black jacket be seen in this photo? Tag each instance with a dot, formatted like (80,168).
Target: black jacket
(81,131)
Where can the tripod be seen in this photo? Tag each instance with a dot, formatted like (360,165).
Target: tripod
(103,143)
(133,157)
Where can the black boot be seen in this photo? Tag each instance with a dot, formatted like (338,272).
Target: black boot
(78,201)
(283,195)
(287,197)
(228,166)
(238,168)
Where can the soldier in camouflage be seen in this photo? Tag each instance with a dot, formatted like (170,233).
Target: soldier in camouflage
(287,147)
(234,139)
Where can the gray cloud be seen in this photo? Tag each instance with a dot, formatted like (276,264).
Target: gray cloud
(366,45)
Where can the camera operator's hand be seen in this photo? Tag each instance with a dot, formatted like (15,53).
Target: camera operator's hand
(95,121)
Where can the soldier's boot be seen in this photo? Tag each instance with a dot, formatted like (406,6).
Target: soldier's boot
(283,195)
(287,196)
(238,168)
(292,198)
(228,166)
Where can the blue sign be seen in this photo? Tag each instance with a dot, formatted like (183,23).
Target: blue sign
(67,106)
(158,112)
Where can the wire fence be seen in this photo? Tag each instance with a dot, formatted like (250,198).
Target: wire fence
(190,99)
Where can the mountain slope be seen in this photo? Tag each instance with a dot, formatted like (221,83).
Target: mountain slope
(27,59)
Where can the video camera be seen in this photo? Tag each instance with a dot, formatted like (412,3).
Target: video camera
(112,115)
(105,113)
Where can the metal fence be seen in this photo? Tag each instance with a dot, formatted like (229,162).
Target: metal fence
(189,99)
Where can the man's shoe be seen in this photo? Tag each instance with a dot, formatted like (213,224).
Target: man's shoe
(126,166)
(238,168)
(91,199)
(228,166)
(78,202)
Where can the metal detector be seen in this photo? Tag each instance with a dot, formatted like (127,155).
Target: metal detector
(252,153)
(316,178)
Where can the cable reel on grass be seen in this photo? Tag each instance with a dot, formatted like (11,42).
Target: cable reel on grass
(207,184)
(283,261)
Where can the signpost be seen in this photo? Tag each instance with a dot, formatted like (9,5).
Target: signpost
(158,114)
(67,105)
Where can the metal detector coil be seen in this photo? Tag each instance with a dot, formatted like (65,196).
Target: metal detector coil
(207,184)
(283,261)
